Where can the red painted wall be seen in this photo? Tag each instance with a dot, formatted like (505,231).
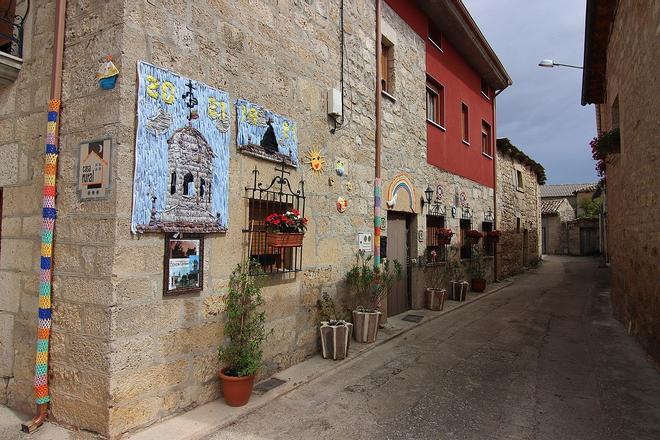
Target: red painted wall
(462,84)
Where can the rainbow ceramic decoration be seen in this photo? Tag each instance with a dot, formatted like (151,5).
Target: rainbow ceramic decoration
(402,182)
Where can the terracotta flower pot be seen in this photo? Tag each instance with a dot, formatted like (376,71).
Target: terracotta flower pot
(284,240)
(335,340)
(435,298)
(478,284)
(365,325)
(236,390)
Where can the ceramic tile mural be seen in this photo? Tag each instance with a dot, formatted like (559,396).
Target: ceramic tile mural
(266,134)
(181,154)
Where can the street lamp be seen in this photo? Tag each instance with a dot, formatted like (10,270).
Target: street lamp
(428,193)
(551,63)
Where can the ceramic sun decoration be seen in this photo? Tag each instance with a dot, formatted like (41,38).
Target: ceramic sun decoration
(107,74)
(315,160)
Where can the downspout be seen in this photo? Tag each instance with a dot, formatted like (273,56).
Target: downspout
(495,258)
(48,225)
(377,178)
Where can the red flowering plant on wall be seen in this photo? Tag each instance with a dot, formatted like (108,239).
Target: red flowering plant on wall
(289,222)
(608,142)
(445,234)
(474,234)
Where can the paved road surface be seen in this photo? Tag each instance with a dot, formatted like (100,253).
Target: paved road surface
(542,359)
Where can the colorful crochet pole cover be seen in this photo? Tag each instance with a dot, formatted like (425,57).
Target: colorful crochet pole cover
(48,226)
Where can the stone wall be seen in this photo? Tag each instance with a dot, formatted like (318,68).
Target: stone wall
(513,204)
(123,356)
(633,175)
(557,240)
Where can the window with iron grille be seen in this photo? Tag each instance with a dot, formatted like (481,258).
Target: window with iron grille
(466,247)
(488,243)
(263,200)
(433,224)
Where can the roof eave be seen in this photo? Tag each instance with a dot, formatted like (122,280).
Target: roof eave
(453,19)
(597,29)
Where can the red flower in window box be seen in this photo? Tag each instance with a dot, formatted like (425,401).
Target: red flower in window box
(494,236)
(445,235)
(473,236)
(285,230)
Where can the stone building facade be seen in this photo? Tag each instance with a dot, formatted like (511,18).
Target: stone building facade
(620,78)
(123,356)
(555,215)
(518,209)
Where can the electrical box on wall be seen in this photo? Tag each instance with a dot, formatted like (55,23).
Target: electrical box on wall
(334,103)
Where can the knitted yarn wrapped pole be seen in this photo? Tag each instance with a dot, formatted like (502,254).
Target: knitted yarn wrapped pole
(46,275)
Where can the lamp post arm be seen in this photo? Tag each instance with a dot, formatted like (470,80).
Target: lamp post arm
(569,65)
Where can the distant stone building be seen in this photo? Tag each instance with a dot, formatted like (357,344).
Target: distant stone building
(518,209)
(620,77)
(555,215)
(567,227)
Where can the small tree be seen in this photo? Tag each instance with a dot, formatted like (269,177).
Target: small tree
(477,266)
(244,328)
(370,285)
(590,208)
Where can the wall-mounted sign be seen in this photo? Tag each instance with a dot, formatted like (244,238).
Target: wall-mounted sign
(364,242)
(94,169)
(420,235)
(184,264)
(439,192)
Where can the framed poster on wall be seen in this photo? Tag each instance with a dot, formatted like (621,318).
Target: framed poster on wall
(184,264)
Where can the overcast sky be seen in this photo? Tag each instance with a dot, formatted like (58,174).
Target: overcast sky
(541,112)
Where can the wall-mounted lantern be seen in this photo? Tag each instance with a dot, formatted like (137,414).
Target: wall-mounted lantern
(428,196)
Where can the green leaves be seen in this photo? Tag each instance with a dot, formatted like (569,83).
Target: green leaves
(244,328)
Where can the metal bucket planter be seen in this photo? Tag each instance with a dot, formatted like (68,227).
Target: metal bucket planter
(365,326)
(458,290)
(435,299)
(335,339)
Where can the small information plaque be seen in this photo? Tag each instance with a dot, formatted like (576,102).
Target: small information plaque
(94,169)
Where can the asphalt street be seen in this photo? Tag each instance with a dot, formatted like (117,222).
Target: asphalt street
(542,359)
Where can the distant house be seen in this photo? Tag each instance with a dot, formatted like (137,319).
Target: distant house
(566,226)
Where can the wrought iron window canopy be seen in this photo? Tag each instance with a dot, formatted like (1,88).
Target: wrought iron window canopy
(438,210)
(263,199)
(466,212)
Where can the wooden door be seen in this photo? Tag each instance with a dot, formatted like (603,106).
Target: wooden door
(398,248)
(588,241)
(525,249)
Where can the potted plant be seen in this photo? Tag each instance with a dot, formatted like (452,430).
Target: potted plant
(445,235)
(335,332)
(244,334)
(473,236)
(435,294)
(369,287)
(457,285)
(478,271)
(285,230)
(494,236)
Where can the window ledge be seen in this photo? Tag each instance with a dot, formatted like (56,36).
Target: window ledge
(485,96)
(520,190)
(10,66)
(487,155)
(388,96)
(465,142)
(435,124)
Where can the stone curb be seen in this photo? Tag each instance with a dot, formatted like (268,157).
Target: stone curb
(206,431)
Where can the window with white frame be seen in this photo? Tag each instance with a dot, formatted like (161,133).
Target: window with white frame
(435,102)
(486,139)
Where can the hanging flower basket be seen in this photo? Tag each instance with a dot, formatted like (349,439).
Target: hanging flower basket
(494,236)
(445,235)
(473,236)
(284,240)
(285,230)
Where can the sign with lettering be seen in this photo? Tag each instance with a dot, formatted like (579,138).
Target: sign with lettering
(94,169)
(364,242)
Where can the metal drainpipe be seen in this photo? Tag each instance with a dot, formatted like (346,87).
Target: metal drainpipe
(377,178)
(48,226)
(495,259)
